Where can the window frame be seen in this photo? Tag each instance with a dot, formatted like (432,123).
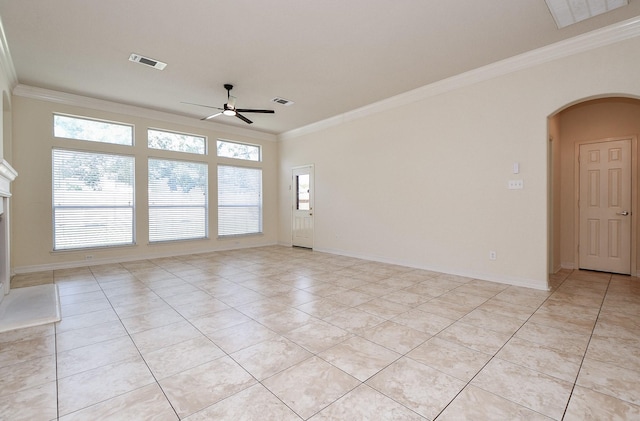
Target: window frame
(204,138)
(260,207)
(54,207)
(206,201)
(239,143)
(98,120)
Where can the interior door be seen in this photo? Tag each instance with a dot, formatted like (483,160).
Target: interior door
(605,206)
(302,187)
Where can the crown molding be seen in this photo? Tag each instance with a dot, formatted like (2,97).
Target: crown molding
(591,40)
(5,59)
(115,107)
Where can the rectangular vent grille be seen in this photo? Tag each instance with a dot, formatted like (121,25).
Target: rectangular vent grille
(282,101)
(147,61)
(568,12)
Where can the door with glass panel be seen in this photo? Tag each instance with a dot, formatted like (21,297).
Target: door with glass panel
(302,188)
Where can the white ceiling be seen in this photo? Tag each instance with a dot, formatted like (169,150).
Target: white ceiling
(327,56)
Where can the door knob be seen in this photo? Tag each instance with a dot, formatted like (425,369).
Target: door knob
(623,213)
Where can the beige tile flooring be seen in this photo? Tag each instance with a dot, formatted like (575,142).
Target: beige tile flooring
(277,333)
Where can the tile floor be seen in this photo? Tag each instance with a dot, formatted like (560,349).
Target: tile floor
(276,333)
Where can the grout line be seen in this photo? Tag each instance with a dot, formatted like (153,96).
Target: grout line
(258,262)
(595,324)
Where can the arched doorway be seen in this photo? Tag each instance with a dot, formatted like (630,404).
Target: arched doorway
(586,122)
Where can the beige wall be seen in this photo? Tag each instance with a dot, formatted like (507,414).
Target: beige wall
(555,167)
(32,222)
(588,121)
(5,116)
(426,184)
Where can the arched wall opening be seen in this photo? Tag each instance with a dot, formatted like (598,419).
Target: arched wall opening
(585,121)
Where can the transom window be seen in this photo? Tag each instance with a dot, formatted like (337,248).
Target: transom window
(179,142)
(237,150)
(92,130)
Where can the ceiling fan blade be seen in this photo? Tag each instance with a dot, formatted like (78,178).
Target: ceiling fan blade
(248,110)
(201,105)
(243,118)
(211,116)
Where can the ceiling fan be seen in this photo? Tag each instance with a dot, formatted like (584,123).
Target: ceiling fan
(229,109)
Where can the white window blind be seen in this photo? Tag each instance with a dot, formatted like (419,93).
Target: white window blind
(93,199)
(177,200)
(239,200)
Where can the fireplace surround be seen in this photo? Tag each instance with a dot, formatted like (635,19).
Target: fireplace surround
(22,307)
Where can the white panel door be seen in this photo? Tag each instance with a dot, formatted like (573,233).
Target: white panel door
(302,188)
(605,206)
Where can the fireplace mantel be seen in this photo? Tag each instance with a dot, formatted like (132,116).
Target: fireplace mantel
(7,175)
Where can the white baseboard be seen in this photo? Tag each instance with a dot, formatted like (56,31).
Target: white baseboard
(521,282)
(122,259)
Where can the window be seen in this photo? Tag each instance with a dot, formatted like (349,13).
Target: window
(302,192)
(239,200)
(178,142)
(235,150)
(92,130)
(177,200)
(92,199)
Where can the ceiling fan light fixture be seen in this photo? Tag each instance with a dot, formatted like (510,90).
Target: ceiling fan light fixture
(229,112)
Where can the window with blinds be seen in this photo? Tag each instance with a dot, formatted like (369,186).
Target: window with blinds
(93,199)
(239,200)
(177,200)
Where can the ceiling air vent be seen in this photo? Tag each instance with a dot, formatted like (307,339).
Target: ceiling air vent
(282,101)
(147,61)
(568,12)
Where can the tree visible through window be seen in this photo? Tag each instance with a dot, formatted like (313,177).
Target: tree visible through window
(236,150)
(177,200)
(92,130)
(92,199)
(239,200)
(179,142)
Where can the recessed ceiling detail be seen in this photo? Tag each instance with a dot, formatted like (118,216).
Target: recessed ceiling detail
(568,12)
(147,61)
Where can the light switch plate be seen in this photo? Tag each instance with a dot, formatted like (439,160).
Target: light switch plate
(516,184)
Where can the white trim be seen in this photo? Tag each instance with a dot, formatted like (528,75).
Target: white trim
(581,43)
(115,107)
(7,175)
(5,59)
(520,282)
(128,258)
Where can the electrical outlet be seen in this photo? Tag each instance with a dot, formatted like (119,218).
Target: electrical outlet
(88,257)
(516,184)
(493,255)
